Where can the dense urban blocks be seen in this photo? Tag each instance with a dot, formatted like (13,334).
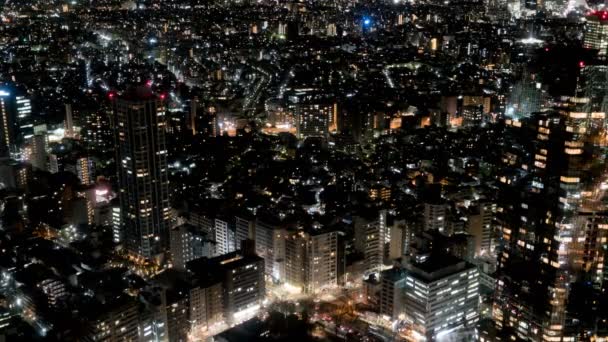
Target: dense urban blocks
(321,170)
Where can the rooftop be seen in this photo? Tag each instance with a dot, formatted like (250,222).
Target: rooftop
(437,266)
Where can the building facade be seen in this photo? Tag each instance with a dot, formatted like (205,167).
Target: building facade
(142,172)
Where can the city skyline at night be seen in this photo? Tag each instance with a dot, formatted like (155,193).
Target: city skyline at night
(307,170)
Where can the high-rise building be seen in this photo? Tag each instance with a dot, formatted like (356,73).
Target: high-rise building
(53,163)
(441,297)
(323,260)
(225,236)
(244,229)
(270,245)
(311,260)
(332,31)
(377,242)
(15,111)
(313,119)
(54,289)
(117,231)
(85,170)
(593,86)
(25,127)
(550,224)
(6,124)
(392,282)
(435,215)
(189,243)
(142,171)
(69,120)
(472,115)
(206,305)
(526,97)
(241,274)
(97,131)
(479,225)
(596,32)
(125,318)
(37,156)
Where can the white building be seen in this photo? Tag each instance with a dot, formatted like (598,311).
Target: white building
(225,236)
(188,243)
(441,297)
(377,244)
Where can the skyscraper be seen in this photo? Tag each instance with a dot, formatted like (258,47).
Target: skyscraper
(142,171)
(14,114)
(553,226)
(596,32)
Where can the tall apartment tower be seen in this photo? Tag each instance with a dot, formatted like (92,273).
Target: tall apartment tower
(143,191)
(551,226)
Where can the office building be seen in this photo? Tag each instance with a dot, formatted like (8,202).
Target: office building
(596,32)
(15,121)
(441,297)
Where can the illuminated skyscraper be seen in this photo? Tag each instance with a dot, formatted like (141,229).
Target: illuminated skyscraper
(142,171)
(550,224)
(15,111)
(596,32)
